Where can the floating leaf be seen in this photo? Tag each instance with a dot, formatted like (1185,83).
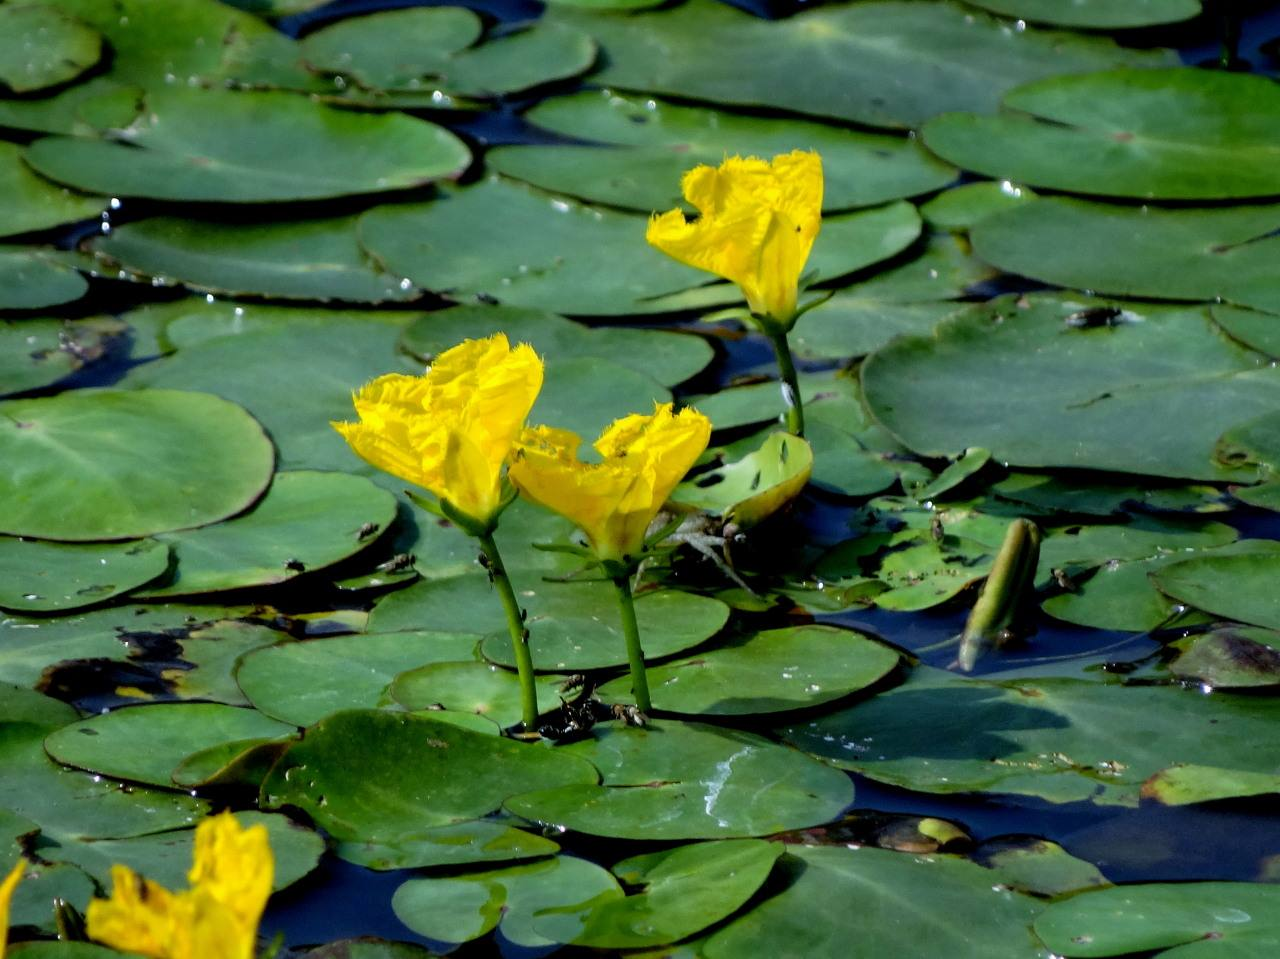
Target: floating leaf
(41,47)
(883,64)
(750,489)
(1096,14)
(238,147)
(876,890)
(1256,330)
(645,146)
(1236,587)
(33,203)
(1024,380)
(32,277)
(479,840)
(111,464)
(1178,134)
(671,780)
(770,671)
(1229,658)
(1064,740)
(40,352)
(471,687)
(47,577)
(299,260)
(961,207)
(1183,784)
(1038,866)
(1195,918)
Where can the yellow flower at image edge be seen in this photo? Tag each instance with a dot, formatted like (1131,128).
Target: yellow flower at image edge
(614,501)
(450,430)
(756,225)
(7,886)
(217,918)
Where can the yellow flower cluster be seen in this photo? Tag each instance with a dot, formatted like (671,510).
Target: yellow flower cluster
(217,918)
(757,220)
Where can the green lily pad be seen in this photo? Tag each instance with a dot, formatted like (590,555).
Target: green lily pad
(1179,134)
(34,203)
(1102,495)
(685,890)
(330,355)
(770,671)
(1254,442)
(431,48)
(40,352)
(882,64)
(760,402)
(668,357)
(644,146)
(1229,658)
(1018,378)
(41,884)
(85,109)
(112,464)
(32,277)
(1063,740)
(1096,14)
(1236,587)
(1195,919)
(371,776)
(890,903)
(47,577)
(165,857)
(1038,866)
(209,656)
(1182,785)
(471,687)
(584,394)
(306,521)
(238,147)
(753,488)
(42,47)
(1075,549)
(1256,330)
(464,843)
(573,625)
(298,260)
(671,780)
(961,207)
(58,949)
(461,908)
(303,682)
(1188,253)
(108,743)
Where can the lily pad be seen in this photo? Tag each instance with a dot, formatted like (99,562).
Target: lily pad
(209,656)
(112,464)
(371,776)
(32,277)
(464,843)
(1185,784)
(316,259)
(42,47)
(431,48)
(750,489)
(1188,253)
(1038,866)
(47,577)
(1103,495)
(1063,740)
(1178,134)
(959,208)
(884,64)
(108,743)
(671,780)
(1096,14)
(1236,587)
(1195,919)
(1256,330)
(1074,549)
(33,203)
(306,521)
(1024,380)
(953,909)
(40,352)
(573,625)
(584,394)
(685,890)
(461,908)
(303,682)
(774,670)
(84,109)
(471,687)
(668,357)
(1229,658)
(238,147)
(644,146)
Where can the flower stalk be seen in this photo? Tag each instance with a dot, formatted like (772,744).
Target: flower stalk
(794,408)
(631,635)
(516,627)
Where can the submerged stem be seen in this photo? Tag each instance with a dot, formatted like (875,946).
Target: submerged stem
(631,633)
(790,383)
(515,625)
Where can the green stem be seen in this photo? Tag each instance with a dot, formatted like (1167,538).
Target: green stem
(515,625)
(1228,55)
(790,384)
(631,632)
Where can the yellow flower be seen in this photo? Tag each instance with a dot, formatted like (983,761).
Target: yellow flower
(7,885)
(217,918)
(756,225)
(614,501)
(450,430)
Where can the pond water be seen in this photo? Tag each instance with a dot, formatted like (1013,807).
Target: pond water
(1130,721)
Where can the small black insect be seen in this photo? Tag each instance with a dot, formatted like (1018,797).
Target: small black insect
(401,561)
(367,530)
(295,565)
(1093,317)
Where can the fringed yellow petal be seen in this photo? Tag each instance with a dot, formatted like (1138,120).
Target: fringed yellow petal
(7,886)
(450,430)
(141,916)
(615,500)
(756,226)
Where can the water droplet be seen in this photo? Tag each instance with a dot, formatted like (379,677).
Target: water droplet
(1232,915)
